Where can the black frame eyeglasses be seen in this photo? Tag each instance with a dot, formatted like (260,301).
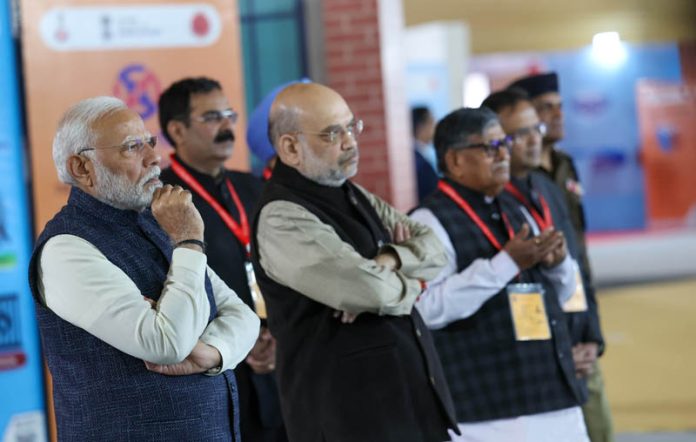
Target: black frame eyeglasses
(134,146)
(354,129)
(492,147)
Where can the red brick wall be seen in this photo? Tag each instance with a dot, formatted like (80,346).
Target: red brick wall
(687,53)
(360,60)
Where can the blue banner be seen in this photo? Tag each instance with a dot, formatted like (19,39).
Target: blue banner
(599,103)
(21,376)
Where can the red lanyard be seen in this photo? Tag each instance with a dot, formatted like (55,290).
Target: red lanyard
(543,221)
(461,202)
(267,173)
(241,229)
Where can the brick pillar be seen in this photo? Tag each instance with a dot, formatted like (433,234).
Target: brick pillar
(364,63)
(687,53)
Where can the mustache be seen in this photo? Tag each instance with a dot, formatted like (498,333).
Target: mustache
(225,135)
(348,158)
(153,173)
(501,165)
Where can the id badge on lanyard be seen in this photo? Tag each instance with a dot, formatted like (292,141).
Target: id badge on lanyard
(528,312)
(578,302)
(256,296)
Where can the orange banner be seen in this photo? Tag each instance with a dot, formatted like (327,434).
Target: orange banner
(666,115)
(75,49)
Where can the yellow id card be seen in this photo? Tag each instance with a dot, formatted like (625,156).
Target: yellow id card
(578,302)
(528,312)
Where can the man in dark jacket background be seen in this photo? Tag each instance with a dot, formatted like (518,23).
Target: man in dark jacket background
(543,90)
(197,120)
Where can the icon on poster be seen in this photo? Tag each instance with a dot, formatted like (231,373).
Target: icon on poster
(11,353)
(200,25)
(139,88)
(61,34)
(103,28)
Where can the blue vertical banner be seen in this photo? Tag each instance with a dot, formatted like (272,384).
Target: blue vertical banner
(22,416)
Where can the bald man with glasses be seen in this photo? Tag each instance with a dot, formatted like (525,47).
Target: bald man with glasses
(340,270)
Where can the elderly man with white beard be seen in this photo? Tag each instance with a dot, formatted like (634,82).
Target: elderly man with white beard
(140,336)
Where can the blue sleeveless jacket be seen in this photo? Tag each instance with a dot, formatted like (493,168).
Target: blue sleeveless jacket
(101,393)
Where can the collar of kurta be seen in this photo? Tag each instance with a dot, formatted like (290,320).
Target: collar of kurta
(473,197)
(524,185)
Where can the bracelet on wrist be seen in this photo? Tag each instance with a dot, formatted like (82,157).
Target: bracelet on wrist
(197,242)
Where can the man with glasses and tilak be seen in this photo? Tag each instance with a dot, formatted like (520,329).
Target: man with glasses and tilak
(495,309)
(197,120)
(340,270)
(139,334)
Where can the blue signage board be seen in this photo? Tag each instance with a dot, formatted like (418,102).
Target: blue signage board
(22,415)
(601,123)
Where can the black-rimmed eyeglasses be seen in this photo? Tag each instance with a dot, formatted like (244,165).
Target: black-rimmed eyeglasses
(491,148)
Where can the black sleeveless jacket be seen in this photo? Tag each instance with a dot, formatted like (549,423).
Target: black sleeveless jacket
(377,379)
(490,374)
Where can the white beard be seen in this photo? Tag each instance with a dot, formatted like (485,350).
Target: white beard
(316,170)
(115,190)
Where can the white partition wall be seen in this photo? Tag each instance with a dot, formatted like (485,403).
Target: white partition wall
(437,57)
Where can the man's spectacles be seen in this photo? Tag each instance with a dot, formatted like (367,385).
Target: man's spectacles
(524,132)
(217,117)
(130,147)
(491,148)
(354,129)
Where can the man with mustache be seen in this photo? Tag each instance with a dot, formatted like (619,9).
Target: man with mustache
(198,122)
(140,336)
(341,270)
(544,92)
(495,309)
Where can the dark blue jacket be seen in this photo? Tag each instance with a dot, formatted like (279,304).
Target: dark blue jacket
(101,393)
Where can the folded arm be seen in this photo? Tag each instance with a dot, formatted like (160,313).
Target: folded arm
(299,251)
(422,256)
(234,330)
(81,286)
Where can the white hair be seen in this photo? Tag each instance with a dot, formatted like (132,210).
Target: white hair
(75,130)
